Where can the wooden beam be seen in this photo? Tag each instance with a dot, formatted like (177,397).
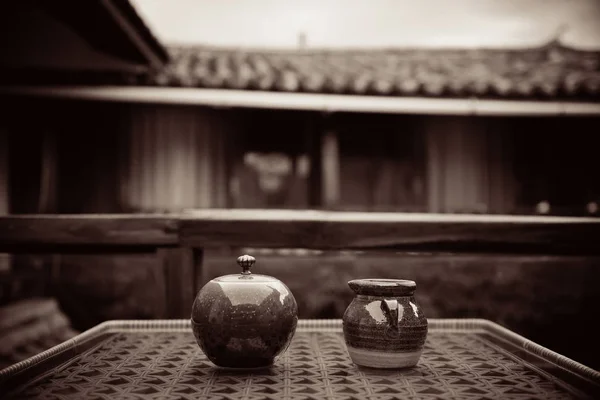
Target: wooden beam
(92,230)
(154,56)
(308,101)
(422,232)
(308,229)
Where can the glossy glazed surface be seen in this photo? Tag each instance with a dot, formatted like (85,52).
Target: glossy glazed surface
(244,321)
(384,319)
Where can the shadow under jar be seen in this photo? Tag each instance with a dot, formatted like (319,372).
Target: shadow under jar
(383,325)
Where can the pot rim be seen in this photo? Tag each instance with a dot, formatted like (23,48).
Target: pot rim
(383,287)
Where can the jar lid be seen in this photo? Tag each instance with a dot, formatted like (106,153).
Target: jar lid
(246,262)
(383,287)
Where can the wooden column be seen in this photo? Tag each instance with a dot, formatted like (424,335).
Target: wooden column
(181,278)
(433,162)
(330,181)
(48,174)
(4,200)
(314,136)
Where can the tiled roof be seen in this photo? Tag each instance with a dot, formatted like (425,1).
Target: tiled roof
(550,71)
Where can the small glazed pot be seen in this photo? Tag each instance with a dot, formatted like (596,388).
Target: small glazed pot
(244,320)
(383,325)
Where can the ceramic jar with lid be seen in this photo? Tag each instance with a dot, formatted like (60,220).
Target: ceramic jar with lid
(383,325)
(244,320)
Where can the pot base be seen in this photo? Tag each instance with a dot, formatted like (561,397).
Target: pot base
(267,366)
(381,359)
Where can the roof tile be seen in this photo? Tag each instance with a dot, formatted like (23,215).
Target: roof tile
(550,71)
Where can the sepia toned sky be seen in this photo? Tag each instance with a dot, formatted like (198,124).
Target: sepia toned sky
(373,23)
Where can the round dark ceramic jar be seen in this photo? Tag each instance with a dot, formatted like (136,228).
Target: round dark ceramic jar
(244,320)
(383,325)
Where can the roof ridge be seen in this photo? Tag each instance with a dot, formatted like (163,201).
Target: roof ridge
(554,42)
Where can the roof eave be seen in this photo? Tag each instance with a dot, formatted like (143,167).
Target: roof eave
(112,26)
(131,23)
(327,103)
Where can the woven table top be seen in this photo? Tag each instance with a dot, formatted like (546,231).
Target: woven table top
(161,360)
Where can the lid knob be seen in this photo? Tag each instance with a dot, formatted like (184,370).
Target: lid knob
(246,262)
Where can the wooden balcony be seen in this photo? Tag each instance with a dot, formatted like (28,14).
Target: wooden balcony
(178,240)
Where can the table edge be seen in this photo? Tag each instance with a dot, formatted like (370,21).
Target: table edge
(312,325)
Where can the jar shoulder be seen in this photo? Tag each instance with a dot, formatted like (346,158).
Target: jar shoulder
(365,309)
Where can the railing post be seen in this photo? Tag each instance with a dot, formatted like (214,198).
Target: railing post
(179,265)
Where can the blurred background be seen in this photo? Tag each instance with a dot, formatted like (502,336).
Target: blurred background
(148,106)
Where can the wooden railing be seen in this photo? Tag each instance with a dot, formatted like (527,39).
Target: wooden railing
(179,239)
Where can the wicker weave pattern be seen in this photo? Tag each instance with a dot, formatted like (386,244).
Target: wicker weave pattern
(160,360)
